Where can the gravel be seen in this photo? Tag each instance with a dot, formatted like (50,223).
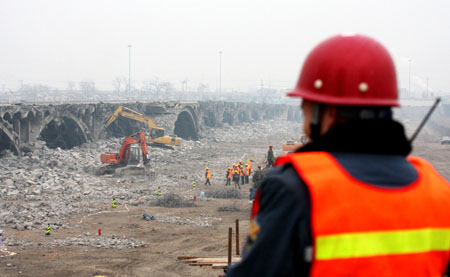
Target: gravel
(223,193)
(48,186)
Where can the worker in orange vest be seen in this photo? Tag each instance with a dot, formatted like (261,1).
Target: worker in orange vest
(250,162)
(236,176)
(242,174)
(351,202)
(228,176)
(247,173)
(208,176)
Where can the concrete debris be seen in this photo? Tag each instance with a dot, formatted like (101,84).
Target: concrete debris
(99,242)
(172,200)
(201,221)
(48,186)
(12,241)
(223,193)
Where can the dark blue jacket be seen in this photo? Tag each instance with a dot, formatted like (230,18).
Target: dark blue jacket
(283,244)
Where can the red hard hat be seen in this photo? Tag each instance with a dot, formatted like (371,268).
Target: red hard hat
(348,70)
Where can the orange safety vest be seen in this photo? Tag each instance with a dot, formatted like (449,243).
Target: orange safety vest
(208,174)
(241,171)
(360,229)
(247,171)
(229,174)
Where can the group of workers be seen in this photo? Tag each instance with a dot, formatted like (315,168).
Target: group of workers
(239,173)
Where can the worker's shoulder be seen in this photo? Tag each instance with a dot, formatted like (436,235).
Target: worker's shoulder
(282,177)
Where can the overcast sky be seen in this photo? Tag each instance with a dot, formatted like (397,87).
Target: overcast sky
(54,41)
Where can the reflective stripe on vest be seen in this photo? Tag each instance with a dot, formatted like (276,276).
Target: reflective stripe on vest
(371,231)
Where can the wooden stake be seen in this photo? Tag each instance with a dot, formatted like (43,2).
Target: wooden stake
(230,239)
(237,237)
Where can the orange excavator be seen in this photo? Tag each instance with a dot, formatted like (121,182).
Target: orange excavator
(128,158)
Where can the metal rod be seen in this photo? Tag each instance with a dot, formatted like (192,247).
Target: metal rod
(230,240)
(129,68)
(237,237)
(425,119)
(220,71)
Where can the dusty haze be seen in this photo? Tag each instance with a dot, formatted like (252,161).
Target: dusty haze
(54,42)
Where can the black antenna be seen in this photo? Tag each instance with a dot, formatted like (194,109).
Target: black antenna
(425,119)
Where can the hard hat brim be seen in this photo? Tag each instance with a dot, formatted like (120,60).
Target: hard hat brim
(343,101)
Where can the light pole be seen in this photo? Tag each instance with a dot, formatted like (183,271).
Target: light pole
(409,90)
(220,71)
(129,68)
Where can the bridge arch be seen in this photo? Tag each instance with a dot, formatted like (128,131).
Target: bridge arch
(7,117)
(186,125)
(63,131)
(8,140)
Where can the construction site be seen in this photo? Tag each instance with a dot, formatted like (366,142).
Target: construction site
(71,207)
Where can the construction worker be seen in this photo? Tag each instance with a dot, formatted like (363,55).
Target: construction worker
(113,202)
(350,202)
(247,173)
(194,184)
(270,156)
(158,191)
(242,174)
(250,162)
(236,177)
(257,177)
(48,230)
(207,176)
(228,176)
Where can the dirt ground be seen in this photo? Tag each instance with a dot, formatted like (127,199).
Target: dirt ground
(163,241)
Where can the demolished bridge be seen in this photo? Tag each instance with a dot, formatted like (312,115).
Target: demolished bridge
(72,124)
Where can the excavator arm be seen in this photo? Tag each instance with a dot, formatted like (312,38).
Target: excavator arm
(132,114)
(144,147)
(113,117)
(123,155)
(156,134)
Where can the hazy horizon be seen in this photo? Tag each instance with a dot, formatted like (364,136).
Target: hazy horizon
(53,42)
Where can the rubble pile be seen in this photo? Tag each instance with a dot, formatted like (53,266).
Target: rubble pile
(249,131)
(48,186)
(223,193)
(201,221)
(12,241)
(172,200)
(99,242)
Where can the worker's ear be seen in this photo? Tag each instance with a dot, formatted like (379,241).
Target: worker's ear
(329,117)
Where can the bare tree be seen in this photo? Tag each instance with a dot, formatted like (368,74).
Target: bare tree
(202,87)
(149,85)
(71,86)
(87,86)
(118,83)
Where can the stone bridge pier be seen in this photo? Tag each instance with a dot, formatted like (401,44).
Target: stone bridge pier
(69,125)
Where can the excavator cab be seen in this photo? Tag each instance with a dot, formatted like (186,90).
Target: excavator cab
(135,155)
(156,133)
